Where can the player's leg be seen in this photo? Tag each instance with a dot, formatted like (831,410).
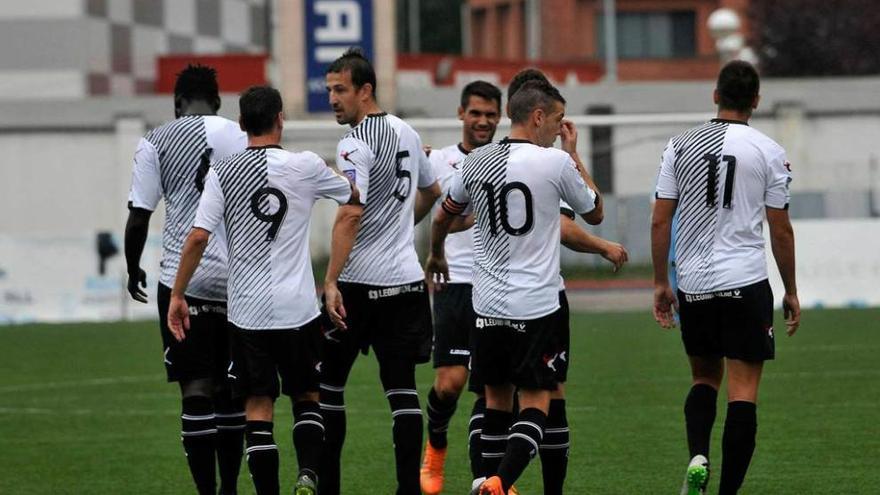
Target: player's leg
(555,446)
(262,451)
(340,352)
(700,334)
(299,364)
(748,342)
(230,413)
(453,319)
(475,430)
(340,349)
(189,364)
(741,425)
(398,378)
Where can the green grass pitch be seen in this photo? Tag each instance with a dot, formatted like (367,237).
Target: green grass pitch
(85,409)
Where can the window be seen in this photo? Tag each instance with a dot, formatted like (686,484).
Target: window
(651,34)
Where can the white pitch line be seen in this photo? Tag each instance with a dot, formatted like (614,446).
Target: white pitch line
(91,382)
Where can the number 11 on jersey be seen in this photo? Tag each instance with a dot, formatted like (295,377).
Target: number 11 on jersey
(712,179)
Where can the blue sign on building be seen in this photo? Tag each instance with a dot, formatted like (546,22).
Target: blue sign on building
(331,27)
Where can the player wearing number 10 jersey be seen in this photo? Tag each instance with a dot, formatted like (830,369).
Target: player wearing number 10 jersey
(264,197)
(514,188)
(378,297)
(722,178)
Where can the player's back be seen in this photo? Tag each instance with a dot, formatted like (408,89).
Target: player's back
(515,189)
(267,195)
(182,151)
(724,174)
(383,155)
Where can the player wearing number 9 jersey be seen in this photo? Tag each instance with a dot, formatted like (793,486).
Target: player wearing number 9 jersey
(171,162)
(378,297)
(264,197)
(514,189)
(722,179)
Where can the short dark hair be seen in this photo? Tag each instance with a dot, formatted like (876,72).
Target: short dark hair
(197,82)
(355,62)
(533,94)
(738,85)
(522,77)
(482,89)
(259,105)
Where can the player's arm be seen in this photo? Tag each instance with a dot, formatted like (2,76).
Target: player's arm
(578,239)
(146,190)
(461,223)
(345,228)
(568,135)
(136,228)
(425,199)
(436,267)
(776,198)
(782,243)
(661,231)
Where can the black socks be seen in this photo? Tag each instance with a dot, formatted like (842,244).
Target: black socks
(699,416)
(439,413)
(199,433)
(738,444)
(554,448)
(262,457)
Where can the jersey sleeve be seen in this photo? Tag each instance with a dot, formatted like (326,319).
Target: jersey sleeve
(210,211)
(565,209)
(777,194)
(574,190)
(146,181)
(667,185)
(353,159)
(426,171)
(329,184)
(458,201)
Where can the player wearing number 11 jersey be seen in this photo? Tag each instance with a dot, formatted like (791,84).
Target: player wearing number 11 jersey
(264,197)
(722,179)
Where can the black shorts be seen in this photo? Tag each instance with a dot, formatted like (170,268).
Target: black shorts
(477,384)
(735,323)
(260,357)
(395,321)
(522,352)
(454,319)
(204,353)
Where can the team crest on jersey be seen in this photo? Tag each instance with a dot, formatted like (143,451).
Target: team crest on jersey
(351,174)
(346,154)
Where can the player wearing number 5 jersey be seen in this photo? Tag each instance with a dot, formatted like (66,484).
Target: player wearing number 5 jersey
(264,197)
(514,189)
(721,179)
(378,297)
(171,162)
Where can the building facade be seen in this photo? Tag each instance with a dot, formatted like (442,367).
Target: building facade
(656,39)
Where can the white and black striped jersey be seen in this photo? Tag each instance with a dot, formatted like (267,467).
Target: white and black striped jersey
(383,155)
(460,245)
(723,174)
(264,197)
(171,162)
(514,187)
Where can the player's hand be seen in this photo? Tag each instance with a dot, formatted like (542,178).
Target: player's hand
(437,272)
(333,303)
(137,284)
(178,317)
(569,135)
(616,254)
(791,310)
(664,304)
